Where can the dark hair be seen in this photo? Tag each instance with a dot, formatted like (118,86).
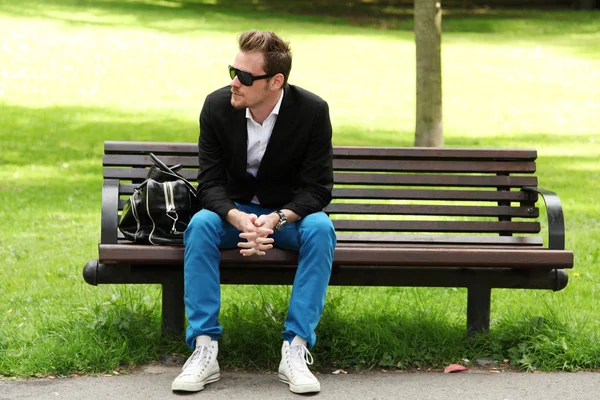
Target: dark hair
(276,51)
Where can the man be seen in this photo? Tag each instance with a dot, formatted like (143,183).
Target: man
(265,175)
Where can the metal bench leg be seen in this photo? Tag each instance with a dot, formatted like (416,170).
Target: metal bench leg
(478,309)
(173,310)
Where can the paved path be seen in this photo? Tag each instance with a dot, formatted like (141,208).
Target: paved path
(154,382)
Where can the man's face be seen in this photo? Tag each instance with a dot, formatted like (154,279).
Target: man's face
(249,96)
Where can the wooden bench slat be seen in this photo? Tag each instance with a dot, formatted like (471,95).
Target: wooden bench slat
(436,226)
(434,166)
(484,181)
(134,160)
(385,209)
(434,180)
(370,178)
(122,147)
(451,257)
(358,256)
(432,194)
(137,160)
(461,240)
(410,194)
(445,153)
(378,239)
(140,174)
(392,209)
(158,148)
(422,209)
(504,211)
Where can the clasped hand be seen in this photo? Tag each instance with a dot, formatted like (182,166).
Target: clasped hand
(256,231)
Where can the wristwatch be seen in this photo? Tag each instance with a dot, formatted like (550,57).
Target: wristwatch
(282,221)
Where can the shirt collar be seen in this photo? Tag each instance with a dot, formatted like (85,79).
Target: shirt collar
(274,111)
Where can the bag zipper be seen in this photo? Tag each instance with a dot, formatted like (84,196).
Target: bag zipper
(167,193)
(170,205)
(150,215)
(135,216)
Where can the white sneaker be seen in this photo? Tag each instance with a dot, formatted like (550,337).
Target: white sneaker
(201,368)
(293,368)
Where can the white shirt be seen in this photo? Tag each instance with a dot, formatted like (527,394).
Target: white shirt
(258,138)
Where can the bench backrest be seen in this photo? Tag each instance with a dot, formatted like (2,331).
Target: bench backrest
(410,196)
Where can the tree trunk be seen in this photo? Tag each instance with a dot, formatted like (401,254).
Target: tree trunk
(428,33)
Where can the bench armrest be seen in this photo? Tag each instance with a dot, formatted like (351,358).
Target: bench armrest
(556,220)
(110,211)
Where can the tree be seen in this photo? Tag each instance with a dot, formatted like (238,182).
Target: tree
(428,33)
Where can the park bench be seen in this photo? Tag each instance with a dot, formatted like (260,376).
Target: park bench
(435,217)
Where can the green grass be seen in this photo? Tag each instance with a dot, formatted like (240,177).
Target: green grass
(76,73)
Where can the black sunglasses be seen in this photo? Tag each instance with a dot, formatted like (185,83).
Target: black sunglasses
(246,78)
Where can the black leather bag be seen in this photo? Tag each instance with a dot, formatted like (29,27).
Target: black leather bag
(159,210)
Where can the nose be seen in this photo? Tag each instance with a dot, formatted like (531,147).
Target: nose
(235,82)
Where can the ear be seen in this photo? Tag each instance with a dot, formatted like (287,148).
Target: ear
(277,82)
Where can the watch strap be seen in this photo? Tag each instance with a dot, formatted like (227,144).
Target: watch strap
(282,221)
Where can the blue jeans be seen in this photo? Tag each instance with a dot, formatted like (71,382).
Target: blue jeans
(313,236)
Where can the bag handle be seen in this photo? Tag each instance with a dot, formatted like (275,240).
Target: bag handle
(172,170)
(164,167)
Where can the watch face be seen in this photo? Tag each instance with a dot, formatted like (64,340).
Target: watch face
(282,222)
(279,227)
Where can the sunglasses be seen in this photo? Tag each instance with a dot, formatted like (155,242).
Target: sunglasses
(246,78)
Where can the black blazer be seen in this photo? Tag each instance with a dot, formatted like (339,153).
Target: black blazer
(296,171)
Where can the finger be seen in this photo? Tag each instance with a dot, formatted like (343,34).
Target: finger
(247,245)
(261,220)
(252,218)
(253,251)
(263,248)
(249,236)
(264,240)
(248,252)
(248,227)
(264,232)
(259,252)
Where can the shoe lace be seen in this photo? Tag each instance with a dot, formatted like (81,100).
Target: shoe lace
(198,357)
(301,357)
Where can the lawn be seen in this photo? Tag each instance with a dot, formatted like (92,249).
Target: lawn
(76,73)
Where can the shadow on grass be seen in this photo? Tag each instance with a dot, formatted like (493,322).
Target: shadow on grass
(226,15)
(57,135)
(67,134)
(187,16)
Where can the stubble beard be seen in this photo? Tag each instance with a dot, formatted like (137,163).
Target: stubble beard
(242,102)
(239,103)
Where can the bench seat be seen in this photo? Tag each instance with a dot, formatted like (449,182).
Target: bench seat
(358,256)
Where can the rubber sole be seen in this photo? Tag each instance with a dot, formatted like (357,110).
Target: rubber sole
(313,388)
(194,386)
